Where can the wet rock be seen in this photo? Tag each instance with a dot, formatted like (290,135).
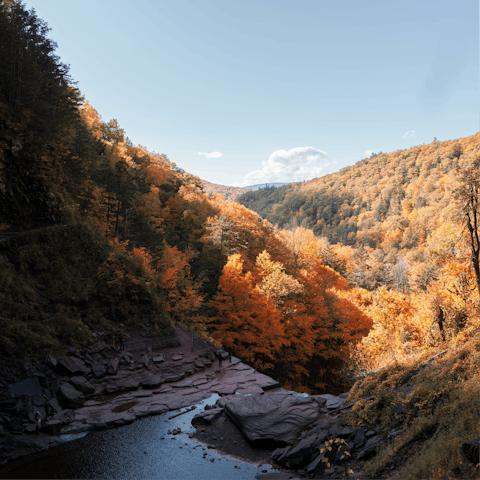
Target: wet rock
(70,397)
(370,448)
(208,417)
(274,417)
(29,386)
(82,385)
(151,381)
(113,366)
(73,366)
(99,371)
(224,389)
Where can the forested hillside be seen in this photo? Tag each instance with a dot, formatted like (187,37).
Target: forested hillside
(374,266)
(228,193)
(97,230)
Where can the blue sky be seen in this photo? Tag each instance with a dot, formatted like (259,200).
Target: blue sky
(243,92)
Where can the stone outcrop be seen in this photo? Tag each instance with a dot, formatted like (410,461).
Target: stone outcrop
(72,366)
(276,417)
(70,397)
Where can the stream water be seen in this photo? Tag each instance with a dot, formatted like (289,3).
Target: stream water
(142,450)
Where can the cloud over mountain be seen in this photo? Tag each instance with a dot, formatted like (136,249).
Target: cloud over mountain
(295,165)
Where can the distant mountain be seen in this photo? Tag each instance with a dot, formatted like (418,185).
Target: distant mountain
(228,193)
(259,186)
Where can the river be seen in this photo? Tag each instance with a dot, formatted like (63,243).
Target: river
(142,450)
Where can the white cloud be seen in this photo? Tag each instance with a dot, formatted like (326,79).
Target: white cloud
(409,134)
(295,165)
(211,155)
(368,153)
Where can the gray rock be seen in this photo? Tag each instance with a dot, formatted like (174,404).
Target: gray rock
(360,439)
(99,371)
(65,416)
(145,360)
(82,385)
(70,397)
(73,366)
(123,385)
(158,359)
(177,358)
(208,417)
(151,381)
(113,366)
(301,452)
(52,406)
(274,417)
(370,448)
(316,466)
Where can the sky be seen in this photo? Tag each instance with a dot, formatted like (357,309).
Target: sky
(241,92)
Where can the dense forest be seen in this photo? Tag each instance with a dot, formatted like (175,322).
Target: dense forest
(373,266)
(157,245)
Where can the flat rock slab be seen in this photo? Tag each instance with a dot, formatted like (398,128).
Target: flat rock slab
(177,358)
(73,366)
(273,417)
(29,386)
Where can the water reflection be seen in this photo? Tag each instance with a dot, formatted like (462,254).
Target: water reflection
(141,450)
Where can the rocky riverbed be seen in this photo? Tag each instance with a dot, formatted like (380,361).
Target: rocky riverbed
(254,418)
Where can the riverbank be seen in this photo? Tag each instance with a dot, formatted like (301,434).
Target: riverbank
(102,388)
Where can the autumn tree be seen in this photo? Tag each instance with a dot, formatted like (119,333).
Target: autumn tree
(246,322)
(468,197)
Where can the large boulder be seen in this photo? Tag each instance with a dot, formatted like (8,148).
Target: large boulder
(73,366)
(70,397)
(275,417)
(99,371)
(82,384)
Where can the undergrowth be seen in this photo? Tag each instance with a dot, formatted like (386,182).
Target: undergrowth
(435,404)
(59,283)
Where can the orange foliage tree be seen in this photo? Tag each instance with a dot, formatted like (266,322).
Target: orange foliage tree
(246,322)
